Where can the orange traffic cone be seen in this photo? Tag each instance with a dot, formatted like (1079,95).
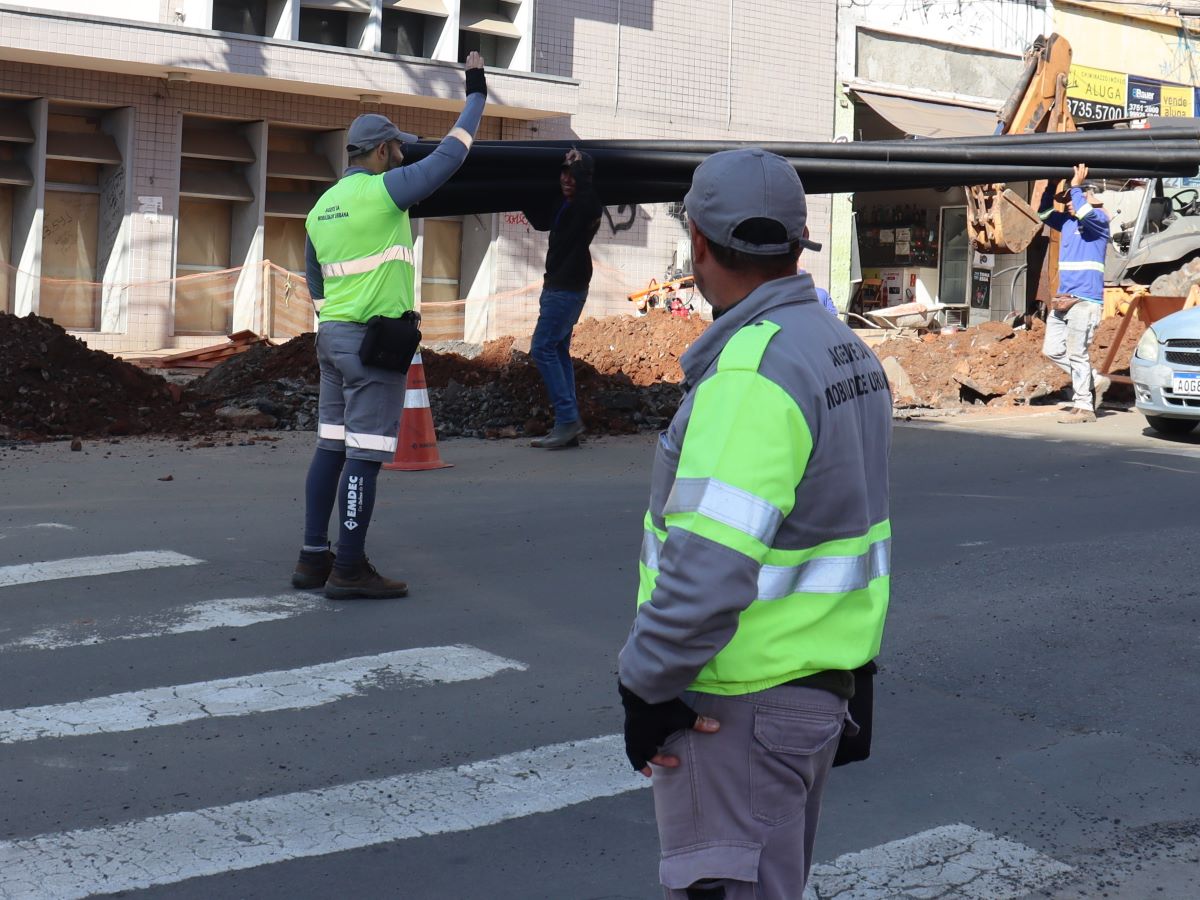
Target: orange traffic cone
(416,444)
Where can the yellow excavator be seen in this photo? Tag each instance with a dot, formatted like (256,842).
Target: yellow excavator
(998,219)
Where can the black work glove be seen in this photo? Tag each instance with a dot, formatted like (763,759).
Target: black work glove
(476,83)
(648,725)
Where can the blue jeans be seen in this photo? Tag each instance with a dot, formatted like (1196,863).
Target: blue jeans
(551,349)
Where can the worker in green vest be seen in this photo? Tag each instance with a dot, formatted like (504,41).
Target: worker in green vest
(360,263)
(765,562)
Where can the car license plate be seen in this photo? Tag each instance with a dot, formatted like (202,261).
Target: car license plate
(1186,383)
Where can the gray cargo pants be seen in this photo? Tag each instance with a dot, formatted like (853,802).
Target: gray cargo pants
(740,813)
(1066,344)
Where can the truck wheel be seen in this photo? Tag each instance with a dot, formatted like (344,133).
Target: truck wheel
(1177,283)
(1176,427)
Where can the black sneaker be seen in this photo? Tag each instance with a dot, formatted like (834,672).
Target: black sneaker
(312,569)
(362,582)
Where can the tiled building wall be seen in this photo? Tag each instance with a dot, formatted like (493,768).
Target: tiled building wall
(158,110)
(759,70)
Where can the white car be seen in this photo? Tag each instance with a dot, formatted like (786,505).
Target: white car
(1166,373)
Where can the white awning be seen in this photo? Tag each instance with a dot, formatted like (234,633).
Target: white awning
(928,118)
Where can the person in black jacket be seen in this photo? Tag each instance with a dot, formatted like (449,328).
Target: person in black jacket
(572,224)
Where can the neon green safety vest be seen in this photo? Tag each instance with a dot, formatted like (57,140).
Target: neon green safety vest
(365,246)
(818,606)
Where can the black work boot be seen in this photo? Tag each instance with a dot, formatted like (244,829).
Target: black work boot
(312,569)
(362,582)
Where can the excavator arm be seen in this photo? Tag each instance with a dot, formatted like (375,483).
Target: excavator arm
(998,219)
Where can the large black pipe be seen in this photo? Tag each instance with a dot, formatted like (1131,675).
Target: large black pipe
(461,197)
(1150,159)
(1174,157)
(899,174)
(791,148)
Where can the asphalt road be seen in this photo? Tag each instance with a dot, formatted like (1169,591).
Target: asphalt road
(175,721)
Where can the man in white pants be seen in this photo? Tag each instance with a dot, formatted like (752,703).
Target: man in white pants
(1079,301)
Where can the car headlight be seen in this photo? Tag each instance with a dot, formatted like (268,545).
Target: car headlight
(1147,347)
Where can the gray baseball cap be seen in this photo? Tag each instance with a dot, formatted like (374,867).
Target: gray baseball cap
(370,130)
(1088,187)
(733,186)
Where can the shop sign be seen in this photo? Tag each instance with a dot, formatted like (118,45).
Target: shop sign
(1096,94)
(1145,98)
(1178,100)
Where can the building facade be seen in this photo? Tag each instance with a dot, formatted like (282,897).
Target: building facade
(933,69)
(157,157)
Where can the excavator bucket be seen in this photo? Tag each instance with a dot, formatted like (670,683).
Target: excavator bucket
(998,220)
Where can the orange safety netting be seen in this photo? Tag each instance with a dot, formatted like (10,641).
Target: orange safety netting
(202,303)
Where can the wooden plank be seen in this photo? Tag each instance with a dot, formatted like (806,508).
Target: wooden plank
(214,185)
(15,128)
(290,204)
(80,147)
(485,23)
(12,172)
(204,143)
(1121,329)
(1193,297)
(301,166)
(425,7)
(358,6)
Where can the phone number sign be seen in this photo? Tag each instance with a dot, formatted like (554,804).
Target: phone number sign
(1097,95)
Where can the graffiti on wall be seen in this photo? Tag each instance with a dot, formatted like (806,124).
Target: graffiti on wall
(625,220)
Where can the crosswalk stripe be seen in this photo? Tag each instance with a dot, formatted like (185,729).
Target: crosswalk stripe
(81,566)
(235,612)
(301,688)
(951,861)
(174,847)
(51,526)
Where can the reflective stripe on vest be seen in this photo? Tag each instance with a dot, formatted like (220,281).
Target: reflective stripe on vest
(398,252)
(819,575)
(723,502)
(1084,265)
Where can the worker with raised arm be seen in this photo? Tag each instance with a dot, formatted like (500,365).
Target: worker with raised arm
(765,566)
(1078,302)
(572,222)
(360,262)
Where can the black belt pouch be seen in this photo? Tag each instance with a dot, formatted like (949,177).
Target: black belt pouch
(861,706)
(391,343)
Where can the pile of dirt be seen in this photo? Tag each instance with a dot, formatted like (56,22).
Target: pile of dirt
(626,371)
(645,348)
(497,393)
(990,364)
(52,385)
(263,387)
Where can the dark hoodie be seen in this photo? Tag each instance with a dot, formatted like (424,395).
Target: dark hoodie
(572,225)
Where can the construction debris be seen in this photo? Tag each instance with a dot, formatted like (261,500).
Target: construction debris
(209,357)
(990,364)
(52,386)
